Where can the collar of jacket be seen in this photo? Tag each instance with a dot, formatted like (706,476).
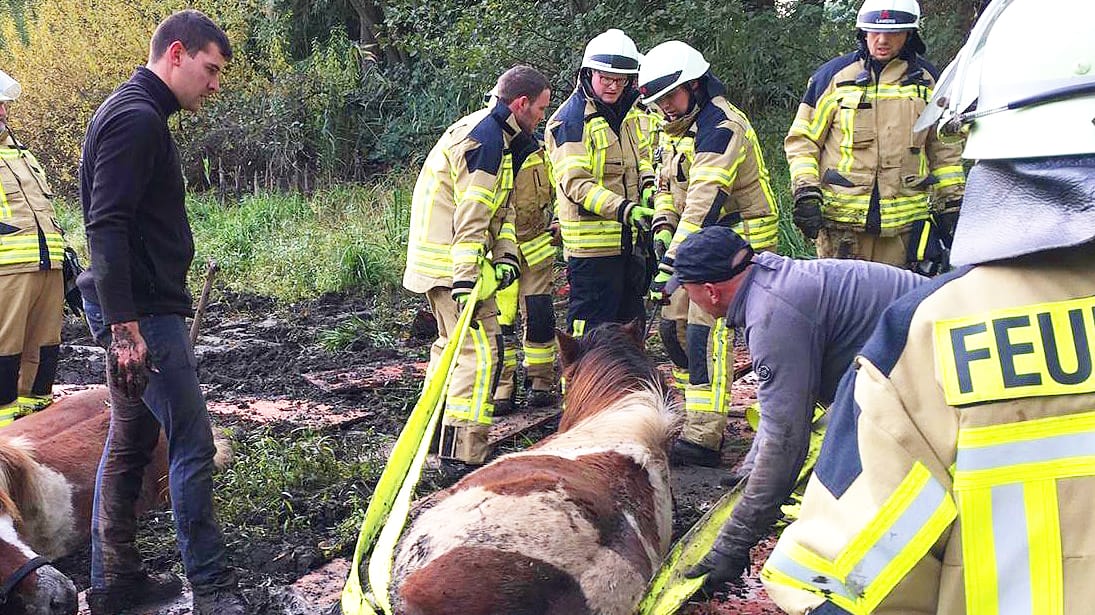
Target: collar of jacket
(519,143)
(615,113)
(735,313)
(682,124)
(162,96)
(505,118)
(710,89)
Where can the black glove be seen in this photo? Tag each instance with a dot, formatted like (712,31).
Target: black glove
(947,221)
(721,567)
(807,213)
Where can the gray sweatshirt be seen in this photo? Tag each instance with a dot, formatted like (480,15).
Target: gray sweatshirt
(804,321)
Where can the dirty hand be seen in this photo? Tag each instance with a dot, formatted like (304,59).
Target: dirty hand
(720,568)
(657,287)
(807,214)
(128,359)
(506,274)
(662,239)
(640,216)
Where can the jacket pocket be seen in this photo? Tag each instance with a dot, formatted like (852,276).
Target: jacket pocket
(857,116)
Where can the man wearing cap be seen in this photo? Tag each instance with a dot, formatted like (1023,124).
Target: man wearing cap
(804,321)
(860,175)
(31,282)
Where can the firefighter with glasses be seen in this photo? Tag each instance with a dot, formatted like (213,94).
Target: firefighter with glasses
(598,142)
(865,184)
(957,474)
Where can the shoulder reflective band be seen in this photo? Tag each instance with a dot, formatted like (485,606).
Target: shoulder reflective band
(1006,483)
(1028,351)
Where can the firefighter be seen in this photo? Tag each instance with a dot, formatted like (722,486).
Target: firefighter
(713,173)
(460,213)
(860,175)
(604,183)
(31,282)
(803,321)
(957,475)
(533,205)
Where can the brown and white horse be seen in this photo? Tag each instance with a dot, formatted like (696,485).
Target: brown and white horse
(576,524)
(47,482)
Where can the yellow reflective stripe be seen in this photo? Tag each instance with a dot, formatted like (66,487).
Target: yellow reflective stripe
(1038,449)
(847,140)
(922,241)
(663,201)
(680,378)
(534,159)
(761,232)
(573,162)
(537,355)
(1044,540)
(1011,353)
(905,527)
(804,166)
(645,168)
(579,328)
(482,408)
(429,259)
(466,253)
(720,349)
(538,249)
(723,177)
(698,399)
(596,199)
(949,176)
(479,195)
(507,232)
(978,552)
(591,233)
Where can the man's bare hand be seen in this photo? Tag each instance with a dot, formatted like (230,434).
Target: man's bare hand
(128,359)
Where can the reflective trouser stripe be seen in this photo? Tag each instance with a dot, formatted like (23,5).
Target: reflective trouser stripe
(1008,474)
(9,413)
(539,355)
(478,407)
(680,378)
(578,327)
(712,396)
(905,527)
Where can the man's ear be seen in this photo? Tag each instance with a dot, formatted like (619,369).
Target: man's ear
(175,52)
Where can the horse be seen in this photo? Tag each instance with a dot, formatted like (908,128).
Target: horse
(576,524)
(48,462)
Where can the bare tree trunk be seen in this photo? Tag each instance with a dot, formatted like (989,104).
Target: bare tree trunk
(370,16)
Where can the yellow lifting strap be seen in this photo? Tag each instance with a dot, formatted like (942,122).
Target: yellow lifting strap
(390,504)
(670,589)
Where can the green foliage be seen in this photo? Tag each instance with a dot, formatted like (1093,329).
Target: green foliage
(355,329)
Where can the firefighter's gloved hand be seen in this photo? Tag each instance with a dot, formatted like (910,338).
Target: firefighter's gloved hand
(807,213)
(460,296)
(647,199)
(721,567)
(662,239)
(506,274)
(657,287)
(556,233)
(640,216)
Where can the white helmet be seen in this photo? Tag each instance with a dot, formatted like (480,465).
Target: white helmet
(612,51)
(1024,83)
(667,66)
(888,15)
(9,88)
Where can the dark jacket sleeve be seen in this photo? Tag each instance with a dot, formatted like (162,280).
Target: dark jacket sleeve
(124,158)
(787,361)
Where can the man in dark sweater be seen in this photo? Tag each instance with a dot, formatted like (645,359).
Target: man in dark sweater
(135,295)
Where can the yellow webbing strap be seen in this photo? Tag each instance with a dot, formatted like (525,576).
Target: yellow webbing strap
(670,589)
(390,504)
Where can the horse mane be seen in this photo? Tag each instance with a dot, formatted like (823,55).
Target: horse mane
(601,368)
(16,464)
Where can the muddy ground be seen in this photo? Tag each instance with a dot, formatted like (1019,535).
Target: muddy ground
(254,358)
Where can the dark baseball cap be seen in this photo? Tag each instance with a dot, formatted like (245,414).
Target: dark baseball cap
(708,256)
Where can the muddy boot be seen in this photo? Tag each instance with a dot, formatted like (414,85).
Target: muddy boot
(685,453)
(540,399)
(130,592)
(503,407)
(220,598)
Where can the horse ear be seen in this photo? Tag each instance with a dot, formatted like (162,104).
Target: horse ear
(569,349)
(634,330)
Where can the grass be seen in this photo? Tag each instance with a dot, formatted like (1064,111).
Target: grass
(353,329)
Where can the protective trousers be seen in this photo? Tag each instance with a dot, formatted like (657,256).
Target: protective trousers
(604,289)
(469,404)
(538,342)
(172,400)
(846,243)
(710,370)
(673,331)
(30,338)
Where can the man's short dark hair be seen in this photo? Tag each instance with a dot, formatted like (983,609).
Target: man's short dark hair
(191,28)
(520,81)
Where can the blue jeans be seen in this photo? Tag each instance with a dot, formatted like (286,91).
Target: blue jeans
(173,400)
(604,289)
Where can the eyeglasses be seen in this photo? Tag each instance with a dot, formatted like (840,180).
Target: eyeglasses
(612,81)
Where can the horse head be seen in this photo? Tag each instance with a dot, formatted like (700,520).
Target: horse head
(602,367)
(29,585)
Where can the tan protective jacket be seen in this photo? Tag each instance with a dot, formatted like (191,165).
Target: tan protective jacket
(599,173)
(853,130)
(30,238)
(533,205)
(958,471)
(713,170)
(460,210)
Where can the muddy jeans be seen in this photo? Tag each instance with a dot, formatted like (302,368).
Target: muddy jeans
(174,401)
